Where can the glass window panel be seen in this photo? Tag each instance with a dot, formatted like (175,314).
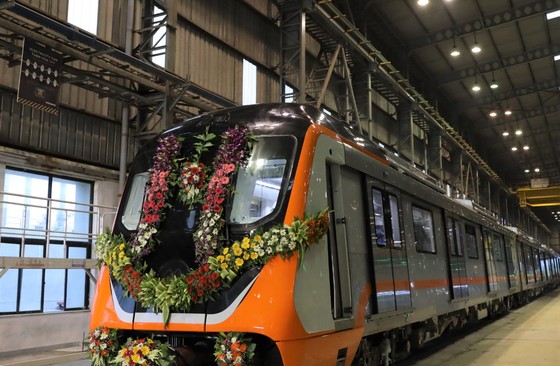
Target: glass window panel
(84,14)
(498,245)
(31,281)
(54,282)
(423,230)
(133,209)
(70,219)
(470,238)
(76,283)
(378,221)
(451,237)
(159,38)
(25,212)
(395,221)
(9,281)
(258,185)
(249,83)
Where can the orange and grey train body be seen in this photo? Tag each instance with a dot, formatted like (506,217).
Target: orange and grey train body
(400,264)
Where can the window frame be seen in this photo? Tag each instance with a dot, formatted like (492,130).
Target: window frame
(44,242)
(430,216)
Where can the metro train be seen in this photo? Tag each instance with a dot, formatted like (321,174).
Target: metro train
(400,264)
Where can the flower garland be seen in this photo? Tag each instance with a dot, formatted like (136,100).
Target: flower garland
(233,153)
(219,264)
(157,195)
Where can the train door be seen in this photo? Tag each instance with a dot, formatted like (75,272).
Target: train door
(456,255)
(341,296)
(490,261)
(530,264)
(522,266)
(511,262)
(388,249)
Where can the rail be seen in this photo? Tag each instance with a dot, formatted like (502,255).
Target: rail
(31,219)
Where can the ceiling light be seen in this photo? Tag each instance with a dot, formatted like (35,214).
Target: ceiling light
(507,112)
(556,57)
(553,14)
(476,47)
(476,87)
(505,133)
(454,50)
(527,170)
(514,148)
(423,2)
(537,170)
(526,147)
(493,114)
(518,132)
(493,84)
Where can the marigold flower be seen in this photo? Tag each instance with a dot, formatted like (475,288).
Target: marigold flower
(224,265)
(239,262)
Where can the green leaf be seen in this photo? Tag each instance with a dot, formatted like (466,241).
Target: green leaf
(166,313)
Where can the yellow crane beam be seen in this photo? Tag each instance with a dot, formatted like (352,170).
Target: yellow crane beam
(539,197)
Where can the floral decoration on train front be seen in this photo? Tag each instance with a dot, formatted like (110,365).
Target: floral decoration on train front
(219,262)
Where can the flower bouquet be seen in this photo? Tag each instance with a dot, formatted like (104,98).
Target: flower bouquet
(102,345)
(146,352)
(233,349)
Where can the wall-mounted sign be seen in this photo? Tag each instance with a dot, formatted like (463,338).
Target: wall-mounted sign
(39,77)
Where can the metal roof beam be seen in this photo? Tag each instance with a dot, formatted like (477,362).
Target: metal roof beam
(502,63)
(515,14)
(70,41)
(497,97)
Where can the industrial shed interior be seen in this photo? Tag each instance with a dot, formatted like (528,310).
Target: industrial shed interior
(479,125)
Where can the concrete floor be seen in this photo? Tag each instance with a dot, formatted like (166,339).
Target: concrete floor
(529,335)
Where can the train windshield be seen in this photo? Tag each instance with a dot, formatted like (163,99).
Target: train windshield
(259,186)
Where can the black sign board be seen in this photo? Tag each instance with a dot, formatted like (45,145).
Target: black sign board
(39,77)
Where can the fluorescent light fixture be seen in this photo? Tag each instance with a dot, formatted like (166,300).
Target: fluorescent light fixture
(476,48)
(455,51)
(553,14)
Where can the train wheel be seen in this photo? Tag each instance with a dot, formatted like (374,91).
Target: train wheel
(368,354)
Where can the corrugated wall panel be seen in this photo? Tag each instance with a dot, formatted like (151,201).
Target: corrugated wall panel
(74,135)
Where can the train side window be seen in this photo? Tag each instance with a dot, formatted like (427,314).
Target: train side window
(470,239)
(423,230)
(379,222)
(454,237)
(395,221)
(498,245)
(133,208)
